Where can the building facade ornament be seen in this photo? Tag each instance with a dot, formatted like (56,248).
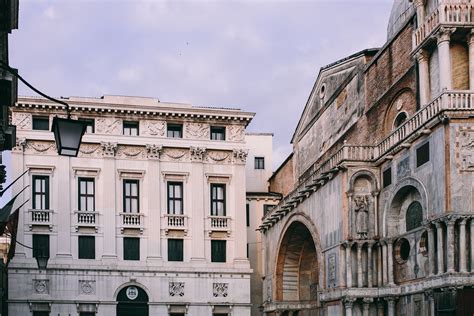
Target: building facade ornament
(176,288)
(41,286)
(197,153)
(108,149)
(214,156)
(153,151)
(108,125)
(197,130)
(86,287)
(240,155)
(220,289)
(236,133)
(131,152)
(153,128)
(20,145)
(22,121)
(444,34)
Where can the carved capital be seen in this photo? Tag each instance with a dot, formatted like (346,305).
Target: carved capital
(197,153)
(470,37)
(349,302)
(444,34)
(153,151)
(108,149)
(422,56)
(240,155)
(20,145)
(429,295)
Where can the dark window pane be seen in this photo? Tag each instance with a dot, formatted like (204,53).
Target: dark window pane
(217,133)
(131,248)
(218,250)
(423,154)
(40,245)
(387,177)
(86,247)
(40,192)
(86,194)
(175,198)
(174,130)
(131,203)
(175,250)
(259,163)
(218,203)
(130,128)
(86,314)
(247,214)
(38,313)
(267,208)
(41,123)
(90,125)
(414,216)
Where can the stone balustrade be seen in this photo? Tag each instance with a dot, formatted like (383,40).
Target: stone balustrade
(86,219)
(132,221)
(40,218)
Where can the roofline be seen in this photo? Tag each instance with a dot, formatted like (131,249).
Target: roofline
(281,166)
(260,134)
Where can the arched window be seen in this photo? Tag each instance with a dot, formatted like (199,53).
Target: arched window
(414,216)
(399,120)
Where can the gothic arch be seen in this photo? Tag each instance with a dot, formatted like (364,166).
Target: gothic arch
(299,265)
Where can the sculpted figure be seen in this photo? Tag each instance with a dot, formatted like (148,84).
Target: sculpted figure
(361,209)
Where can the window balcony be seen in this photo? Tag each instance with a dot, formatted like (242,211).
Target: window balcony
(447,14)
(40,218)
(86,219)
(219,224)
(132,221)
(175,222)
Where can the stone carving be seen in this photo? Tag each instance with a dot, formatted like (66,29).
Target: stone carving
(153,128)
(218,156)
(108,125)
(361,209)
(89,150)
(153,151)
(132,152)
(20,145)
(220,289)
(176,288)
(332,268)
(41,286)
(175,153)
(403,168)
(40,147)
(108,149)
(466,150)
(240,155)
(197,153)
(197,130)
(236,133)
(22,121)
(86,287)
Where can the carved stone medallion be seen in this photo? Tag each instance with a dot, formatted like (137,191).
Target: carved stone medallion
(176,288)
(220,289)
(86,287)
(41,286)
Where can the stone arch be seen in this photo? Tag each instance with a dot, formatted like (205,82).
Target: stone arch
(127,284)
(403,101)
(363,174)
(132,300)
(402,196)
(299,267)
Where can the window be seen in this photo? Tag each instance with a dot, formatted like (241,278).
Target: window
(402,250)
(218,250)
(40,245)
(41,192)
(175,198)
(387,177)
(86,194)
(267,208)
(86,247)
(259,163)
(247,214)
(217,133)
(130,196)
(399,120)
(174,130)
(130,128)
(90,128)
(414,216)
(175,250)
(86,314)
(218,199)
(40,123)
(423,154)
(131,248)
(40,313)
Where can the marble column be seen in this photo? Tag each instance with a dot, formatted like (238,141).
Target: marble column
(470,42)
(450,245)
(384,264)
(366,306)
(348,305)
(370,269)
(462,246)
(380,307)
(445,75)
(420,11)
(390,306)
(431,250)
(440,250)
(424,76)
(360,281)
(431,303)
(390,262)
(348,265)
(379,265)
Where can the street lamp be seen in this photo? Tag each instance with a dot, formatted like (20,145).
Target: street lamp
(42,261)
(67,132)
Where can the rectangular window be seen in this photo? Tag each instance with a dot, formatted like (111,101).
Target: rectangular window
(40,313)
(259,163)
(90,126)
(131,248)
(86,247)
(174,130)
(247,214)
(87,314)
(248,247)
(130,128)
(217,133)
(131,203)
(423,154)
(40,192)
(267,208)
(175,198)
(175,250)
(86,194)
(218,199)
(40,123)
(218,250)
(387,177)
(40,245)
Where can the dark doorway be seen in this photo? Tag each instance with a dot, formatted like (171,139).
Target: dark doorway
(465,302)
(132,301)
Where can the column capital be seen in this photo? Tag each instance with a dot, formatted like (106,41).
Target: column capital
(429,294)
(368,300)
(444,34)
(470,37)
(348,244)
(391,299)
(349,302)
(422,56)
(359,245)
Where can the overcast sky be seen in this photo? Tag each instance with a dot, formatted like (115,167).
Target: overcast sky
(260,56)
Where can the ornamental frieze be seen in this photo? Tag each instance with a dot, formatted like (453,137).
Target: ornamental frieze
(175,154)
(464,149)
(90,150)
(197,130)
(108,125)
(236,133)
(131,152)
(40,148)
(153,151)
(22,121)
(152,128)
(218,157)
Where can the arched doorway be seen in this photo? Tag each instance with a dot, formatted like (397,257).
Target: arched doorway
(132,301)
(297,273)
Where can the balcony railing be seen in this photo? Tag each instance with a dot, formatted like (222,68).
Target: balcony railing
(40,218)
(219,224)
(86,219)
(450,13)
(132,221)
(175,222)
(319,172)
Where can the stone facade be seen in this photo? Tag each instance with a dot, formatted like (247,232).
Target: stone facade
(379,219)
(106,276)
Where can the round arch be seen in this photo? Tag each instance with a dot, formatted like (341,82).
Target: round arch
(132,300)
(364,174)
(397,105)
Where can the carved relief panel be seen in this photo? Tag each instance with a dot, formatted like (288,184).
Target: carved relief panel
(235,133)
(196,130)
(465,149)
(108,125)
(362,205)
(22,121)
(152,128)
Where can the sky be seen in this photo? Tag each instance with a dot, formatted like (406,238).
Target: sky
(261,56)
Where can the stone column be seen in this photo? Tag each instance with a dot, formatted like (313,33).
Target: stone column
(431,250)
(462,246)
(424,76)
(450,244)
(348,265)
(380,307)
(431,303)
(384,264)
(369,265)
(360,281)
(440,250)
(391,306)
(379,265)
(366,306)
(390,262)
(420,11)
(470,42)
(348,304)
(445,76)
